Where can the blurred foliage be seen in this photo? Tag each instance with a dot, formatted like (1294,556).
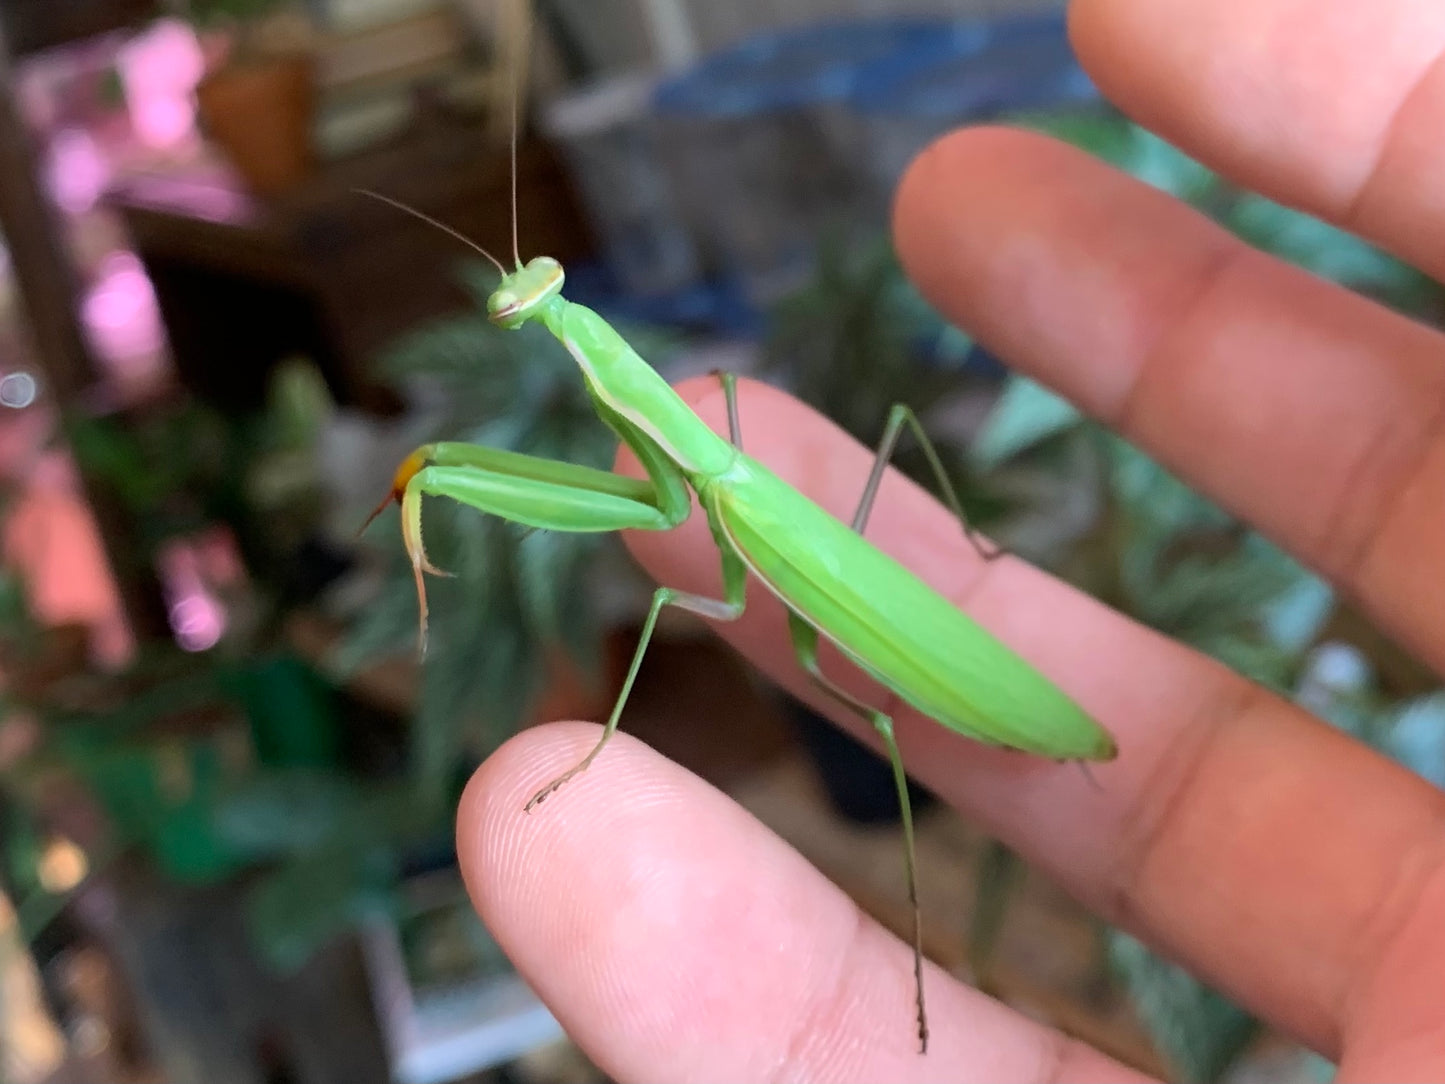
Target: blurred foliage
(858,338)
(213,768)
(231,763)
(1197,1030)
(182,466)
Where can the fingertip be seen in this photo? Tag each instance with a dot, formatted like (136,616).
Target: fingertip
(1093,43)
(490,814)
(946,167)
(623,901)
(956,193)
(500,782)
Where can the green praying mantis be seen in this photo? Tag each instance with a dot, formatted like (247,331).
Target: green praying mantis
(833,583)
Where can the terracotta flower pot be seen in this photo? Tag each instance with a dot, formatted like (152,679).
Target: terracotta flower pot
(260,112)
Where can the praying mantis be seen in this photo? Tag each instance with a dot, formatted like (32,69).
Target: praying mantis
(833,583)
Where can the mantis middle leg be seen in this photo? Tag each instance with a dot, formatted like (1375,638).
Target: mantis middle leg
(902,414)
(728,608)
(529,490)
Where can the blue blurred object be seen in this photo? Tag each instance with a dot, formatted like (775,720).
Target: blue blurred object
(756,139)
(1022,65)
(799,68)
(608,137)
(1017,68)
(790,135)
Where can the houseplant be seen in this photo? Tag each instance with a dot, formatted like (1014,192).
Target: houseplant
(258,99)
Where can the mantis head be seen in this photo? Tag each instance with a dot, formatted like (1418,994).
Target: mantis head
(523,291)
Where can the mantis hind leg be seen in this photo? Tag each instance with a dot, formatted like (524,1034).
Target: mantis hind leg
(900,415)
(728,608)
(805,644)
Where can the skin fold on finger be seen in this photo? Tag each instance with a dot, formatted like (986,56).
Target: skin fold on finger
(1313,414)
(1334,106)
(677,939)
(1269,853)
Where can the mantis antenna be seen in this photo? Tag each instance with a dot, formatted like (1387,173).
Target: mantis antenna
(516,247)
(516,251)
(447,229)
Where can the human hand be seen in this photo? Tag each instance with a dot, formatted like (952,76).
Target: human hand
(676,938)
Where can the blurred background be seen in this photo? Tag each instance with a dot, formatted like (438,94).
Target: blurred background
(226,786)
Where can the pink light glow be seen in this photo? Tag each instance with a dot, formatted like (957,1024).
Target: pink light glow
(51,537)
(197,617)
(160,69)
(121,315)
(197,621)
(77,171)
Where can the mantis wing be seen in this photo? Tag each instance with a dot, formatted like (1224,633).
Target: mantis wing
(894,626)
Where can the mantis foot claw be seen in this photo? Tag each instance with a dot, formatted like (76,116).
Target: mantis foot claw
(554,786)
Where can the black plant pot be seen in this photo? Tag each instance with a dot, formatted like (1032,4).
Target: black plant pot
(858,780)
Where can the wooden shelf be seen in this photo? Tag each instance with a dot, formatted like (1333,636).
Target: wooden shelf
(325,272)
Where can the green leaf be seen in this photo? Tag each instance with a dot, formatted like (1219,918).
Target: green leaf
(1025,415)
(1197,1030)
(1326,251)
(277,813)
(292,710)
(298,907)
(1415,736)
(1135,150)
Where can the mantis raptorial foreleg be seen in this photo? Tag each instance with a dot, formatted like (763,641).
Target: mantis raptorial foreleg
(805,645)
(529,490)
(728,608)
